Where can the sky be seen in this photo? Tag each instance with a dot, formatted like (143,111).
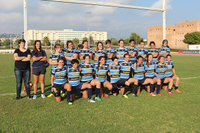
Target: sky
(118,22)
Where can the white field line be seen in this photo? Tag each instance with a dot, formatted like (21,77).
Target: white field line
(21,92)
(49,90)
(7,76)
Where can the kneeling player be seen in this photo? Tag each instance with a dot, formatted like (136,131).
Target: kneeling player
(73,78)
(59,80)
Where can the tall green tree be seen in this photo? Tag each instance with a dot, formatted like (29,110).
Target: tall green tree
(126,41)
(75,42)
(91,40)
(136,37)
(192,38)
(46,40)
(85,38)
(60,42)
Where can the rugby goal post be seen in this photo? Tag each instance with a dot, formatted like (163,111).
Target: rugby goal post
(101,4)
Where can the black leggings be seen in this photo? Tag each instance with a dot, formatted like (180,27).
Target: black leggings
(120,83)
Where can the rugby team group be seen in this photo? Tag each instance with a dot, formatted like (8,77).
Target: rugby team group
(114,70)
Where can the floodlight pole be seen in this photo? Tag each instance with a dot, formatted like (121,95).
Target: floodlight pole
(25,24)
(164,20)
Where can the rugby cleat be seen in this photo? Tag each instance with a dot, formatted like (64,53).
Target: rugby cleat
(170,93)
(105,95)
(98,98)
(50,95)
(152,94)
(125,96)
(177,90)
(91,101)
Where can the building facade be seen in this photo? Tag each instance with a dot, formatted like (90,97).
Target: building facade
(174,33)
(65,35)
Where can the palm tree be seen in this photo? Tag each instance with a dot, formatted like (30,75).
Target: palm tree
(46,40)
(76,42)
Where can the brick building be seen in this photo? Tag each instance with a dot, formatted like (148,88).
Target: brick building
(174,33)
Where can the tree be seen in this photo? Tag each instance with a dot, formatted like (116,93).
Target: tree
(136,37)
(126,41)
(16,42)
(85,38)
(60,42)
(114,42)
(91,40)
(75,42)
(6,42)
(31,43)
(192,38)
(46,41)
(113,39)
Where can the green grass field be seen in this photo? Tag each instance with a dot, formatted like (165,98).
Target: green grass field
(168,113)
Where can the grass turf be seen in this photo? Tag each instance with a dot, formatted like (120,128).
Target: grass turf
(176,113)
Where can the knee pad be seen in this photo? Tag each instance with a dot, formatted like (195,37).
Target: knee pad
(56,94)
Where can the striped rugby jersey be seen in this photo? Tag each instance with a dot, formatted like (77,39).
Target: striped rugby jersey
(119,51)
(114,73)
(60,75)
(73,76)
(69,53)
(86,72)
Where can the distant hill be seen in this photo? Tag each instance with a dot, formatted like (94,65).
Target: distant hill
(4,35)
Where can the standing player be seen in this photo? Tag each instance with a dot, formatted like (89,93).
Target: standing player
(109,52)
(160,73)
(58,80)
(132,51)
(84,50)
(142,51)
(121,51)
(87,72)
(73,79)
(153,51)
(99,52)
(101,71)
(53,62)
(70,53)
(171,73)
(139,74)
(165,50)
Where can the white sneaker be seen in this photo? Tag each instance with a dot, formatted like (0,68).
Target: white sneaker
(42,95)
(152,94)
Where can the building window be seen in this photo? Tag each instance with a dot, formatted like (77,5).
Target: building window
(173,29)
(168,28)
(183,26)
(192,24)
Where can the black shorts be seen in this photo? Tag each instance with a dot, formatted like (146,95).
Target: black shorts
(171,76)
(162,81)
(118,85)
(59,87)
(150,77)
(39,70)
(140,82)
